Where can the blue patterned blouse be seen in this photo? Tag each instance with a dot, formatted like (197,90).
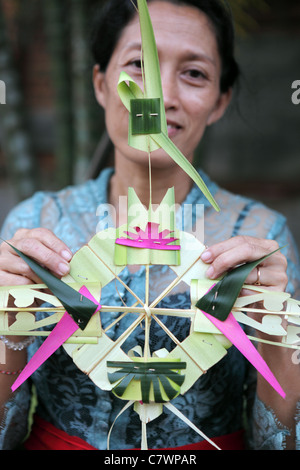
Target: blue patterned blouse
(220,402)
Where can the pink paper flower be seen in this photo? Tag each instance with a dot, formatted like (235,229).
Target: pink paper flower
(149,238)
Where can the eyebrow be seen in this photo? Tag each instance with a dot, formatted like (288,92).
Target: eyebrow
(132,46)
(191,55)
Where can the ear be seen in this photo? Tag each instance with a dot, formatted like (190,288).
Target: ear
(220,108)
(99,85)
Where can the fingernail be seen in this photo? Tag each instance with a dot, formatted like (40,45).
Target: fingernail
(210,272)
(67,255)
(206,256)
(63,268)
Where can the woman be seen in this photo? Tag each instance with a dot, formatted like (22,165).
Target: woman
(195,46)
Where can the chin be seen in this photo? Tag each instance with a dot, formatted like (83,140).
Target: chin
(161,160)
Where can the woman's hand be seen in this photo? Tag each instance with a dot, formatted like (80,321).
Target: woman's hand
(41,245)
(242,249)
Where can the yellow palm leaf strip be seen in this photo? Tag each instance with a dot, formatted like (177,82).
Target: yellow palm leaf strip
(147,278)
(128,310)
(34,309)
(120,297)
(147,336)
(128,404)
(173,284)
(121,338)
(118,278)
(263,310)
(147,311)
(176,341)
(22,286)
(274,343)
(133,309)
(115,321)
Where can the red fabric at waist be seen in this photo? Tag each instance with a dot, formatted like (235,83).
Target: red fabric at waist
(45,436)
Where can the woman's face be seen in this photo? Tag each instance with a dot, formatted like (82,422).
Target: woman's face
(190,72)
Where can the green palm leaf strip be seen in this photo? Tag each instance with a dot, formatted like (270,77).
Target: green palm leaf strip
(156,374)
(78,306)
(219,301)
(147,128)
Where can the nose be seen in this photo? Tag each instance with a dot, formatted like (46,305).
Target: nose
(169,88)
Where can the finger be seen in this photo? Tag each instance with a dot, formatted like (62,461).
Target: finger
(44,255)
(14,265)
(210,253)
(233,258)
(266,276)
(235,251)
(249,243)
(48,238)
(8,279)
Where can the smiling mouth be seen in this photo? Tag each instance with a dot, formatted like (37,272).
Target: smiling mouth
(173,129)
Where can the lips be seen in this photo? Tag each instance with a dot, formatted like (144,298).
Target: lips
(173,128)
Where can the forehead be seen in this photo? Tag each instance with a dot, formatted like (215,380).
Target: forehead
(174,25)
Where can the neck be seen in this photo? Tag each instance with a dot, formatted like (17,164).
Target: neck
(130,174)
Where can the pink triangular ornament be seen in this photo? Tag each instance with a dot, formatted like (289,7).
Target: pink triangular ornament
(65,328)
(236,335)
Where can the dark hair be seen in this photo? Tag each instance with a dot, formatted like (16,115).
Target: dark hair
(116,14)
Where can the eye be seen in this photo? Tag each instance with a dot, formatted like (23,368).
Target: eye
(137,63)
(195,74)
